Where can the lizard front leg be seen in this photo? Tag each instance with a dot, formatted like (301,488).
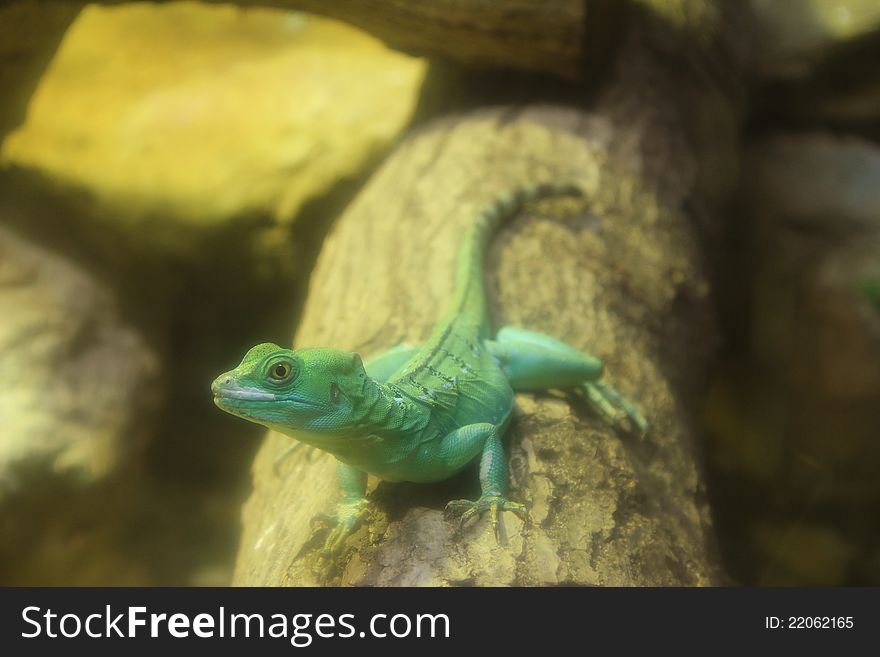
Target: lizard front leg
(458,448)
(353,482)
(533,361)
(350,509)
(353,505)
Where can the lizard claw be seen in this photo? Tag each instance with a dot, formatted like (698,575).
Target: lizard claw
(491,503)
(349,516)
(615,407)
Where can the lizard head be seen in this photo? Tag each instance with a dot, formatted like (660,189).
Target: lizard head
(302,392)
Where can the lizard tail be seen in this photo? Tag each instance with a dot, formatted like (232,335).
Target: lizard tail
(470,292)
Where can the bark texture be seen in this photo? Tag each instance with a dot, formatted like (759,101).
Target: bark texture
(622,274)
(536,35)
(549,36)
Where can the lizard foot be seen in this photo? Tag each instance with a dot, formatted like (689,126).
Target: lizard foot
(615,407)
(491,503)
(349,515)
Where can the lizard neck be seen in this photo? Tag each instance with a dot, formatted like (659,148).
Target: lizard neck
(376,410)
(381,417)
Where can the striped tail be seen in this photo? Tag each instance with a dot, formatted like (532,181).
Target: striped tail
(470,293)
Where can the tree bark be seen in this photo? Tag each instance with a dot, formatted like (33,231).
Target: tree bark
(534,35)
(622,274)
(560,37)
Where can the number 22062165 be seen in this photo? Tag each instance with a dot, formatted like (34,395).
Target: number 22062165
(809,623)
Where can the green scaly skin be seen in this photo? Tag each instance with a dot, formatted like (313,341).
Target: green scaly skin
(420,414)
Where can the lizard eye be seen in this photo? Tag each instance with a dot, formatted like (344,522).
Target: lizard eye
(280,371)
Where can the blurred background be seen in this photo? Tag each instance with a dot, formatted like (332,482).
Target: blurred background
(165,185)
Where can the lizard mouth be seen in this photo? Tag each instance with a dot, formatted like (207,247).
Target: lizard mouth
(244,394)
(229,393)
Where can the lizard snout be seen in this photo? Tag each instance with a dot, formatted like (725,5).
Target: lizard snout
(221,382)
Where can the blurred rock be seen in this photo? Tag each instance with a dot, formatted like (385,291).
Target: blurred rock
(86,497)
(799,552)
(796,35)
(819,63)
(262,111)
(78,384)
(817,205)
(30,31)
(817,179)
(796,413)
(179,165)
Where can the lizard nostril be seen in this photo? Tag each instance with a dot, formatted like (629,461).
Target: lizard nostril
(219,383)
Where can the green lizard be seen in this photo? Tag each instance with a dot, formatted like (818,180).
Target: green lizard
(419,414)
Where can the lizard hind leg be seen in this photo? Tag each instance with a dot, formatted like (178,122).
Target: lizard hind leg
(460,447)
(533,361)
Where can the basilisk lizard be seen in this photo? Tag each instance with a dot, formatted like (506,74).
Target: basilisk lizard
(420,414)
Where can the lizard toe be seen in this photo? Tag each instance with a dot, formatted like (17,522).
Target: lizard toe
(494,504)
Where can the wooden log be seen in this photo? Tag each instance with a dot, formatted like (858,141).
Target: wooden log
(546,36)
(565,38)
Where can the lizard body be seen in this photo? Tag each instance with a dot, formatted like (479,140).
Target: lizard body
(419,414)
